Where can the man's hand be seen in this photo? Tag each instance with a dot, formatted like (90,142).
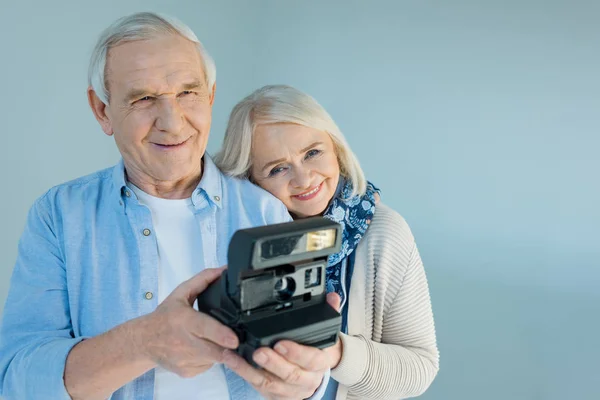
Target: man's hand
(181,339)
(291,371)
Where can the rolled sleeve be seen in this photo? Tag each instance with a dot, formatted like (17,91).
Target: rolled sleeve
(351,368)
(36,372)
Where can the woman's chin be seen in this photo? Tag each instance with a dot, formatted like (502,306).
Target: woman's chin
(306,212)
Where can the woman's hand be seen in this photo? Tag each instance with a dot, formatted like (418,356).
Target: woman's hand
(334,352)
(291,370)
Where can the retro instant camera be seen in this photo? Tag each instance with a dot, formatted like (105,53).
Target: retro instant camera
(274,286)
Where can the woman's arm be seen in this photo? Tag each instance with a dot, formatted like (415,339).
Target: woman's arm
(407,360)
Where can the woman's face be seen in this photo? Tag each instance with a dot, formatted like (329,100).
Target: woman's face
(296,164)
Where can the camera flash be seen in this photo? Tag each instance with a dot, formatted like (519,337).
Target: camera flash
(319,240)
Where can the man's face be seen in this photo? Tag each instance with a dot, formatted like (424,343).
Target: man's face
(160,108)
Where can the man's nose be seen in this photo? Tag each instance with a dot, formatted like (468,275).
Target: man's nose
(170,116)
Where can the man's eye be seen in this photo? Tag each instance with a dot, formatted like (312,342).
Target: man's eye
(186,92)
(145,98)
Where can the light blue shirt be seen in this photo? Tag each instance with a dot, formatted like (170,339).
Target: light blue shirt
(87,262)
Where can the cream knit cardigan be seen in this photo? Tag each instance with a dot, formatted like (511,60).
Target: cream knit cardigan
(390,351)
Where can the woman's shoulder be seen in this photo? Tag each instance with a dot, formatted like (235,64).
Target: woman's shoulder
(388,226)
(386,253)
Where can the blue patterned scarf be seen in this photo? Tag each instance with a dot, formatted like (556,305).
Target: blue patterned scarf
(354,213)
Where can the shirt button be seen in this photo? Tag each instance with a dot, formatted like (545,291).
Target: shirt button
(127,193)
(146,232)
(148,295)
(217,198)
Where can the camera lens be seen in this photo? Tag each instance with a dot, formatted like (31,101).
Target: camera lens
(284,288)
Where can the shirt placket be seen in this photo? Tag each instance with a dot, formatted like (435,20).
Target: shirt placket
(140,219)
(206,218)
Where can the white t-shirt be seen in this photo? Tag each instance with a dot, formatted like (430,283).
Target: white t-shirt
(180,257)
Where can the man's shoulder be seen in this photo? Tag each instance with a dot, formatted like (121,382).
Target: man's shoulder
(81,188)
(255,200)
(250,191)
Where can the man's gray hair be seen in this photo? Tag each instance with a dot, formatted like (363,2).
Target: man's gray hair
(282,104)
(141,26)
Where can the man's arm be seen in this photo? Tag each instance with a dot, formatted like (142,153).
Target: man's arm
(36,334)
(38,348)
(97,367)
(175,336)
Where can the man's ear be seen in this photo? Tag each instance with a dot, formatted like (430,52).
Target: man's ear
(99,110)
(212,94)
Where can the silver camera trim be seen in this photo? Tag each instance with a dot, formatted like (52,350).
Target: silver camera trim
(299,275)
(252,303)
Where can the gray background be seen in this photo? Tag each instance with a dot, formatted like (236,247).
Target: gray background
(479,121)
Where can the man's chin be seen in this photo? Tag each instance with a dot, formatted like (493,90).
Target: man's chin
(175,174)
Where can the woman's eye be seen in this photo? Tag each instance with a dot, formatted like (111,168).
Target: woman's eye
(312,153)
(276,171)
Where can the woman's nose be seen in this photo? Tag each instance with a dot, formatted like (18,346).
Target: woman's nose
(302,178)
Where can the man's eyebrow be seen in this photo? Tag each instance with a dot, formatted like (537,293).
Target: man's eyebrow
(137,93)
(193,85)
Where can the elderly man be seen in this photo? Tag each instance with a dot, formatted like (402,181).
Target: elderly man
(101,301)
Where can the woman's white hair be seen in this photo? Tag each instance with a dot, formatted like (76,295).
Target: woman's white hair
(276,104)
(141,26)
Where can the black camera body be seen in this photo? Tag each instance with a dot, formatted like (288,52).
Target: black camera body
(274,286)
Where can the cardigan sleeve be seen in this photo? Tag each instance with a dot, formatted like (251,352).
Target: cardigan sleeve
(404,362)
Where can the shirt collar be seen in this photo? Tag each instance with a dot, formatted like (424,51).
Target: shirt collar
(118,179)
(210,186)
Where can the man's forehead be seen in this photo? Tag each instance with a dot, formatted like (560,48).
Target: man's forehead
(163,61)
(153,83)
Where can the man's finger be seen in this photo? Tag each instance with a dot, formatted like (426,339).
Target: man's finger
(263,381)
(285,370)
(197,284)
(307,357)
(208,350)
(202,356)
(206,327)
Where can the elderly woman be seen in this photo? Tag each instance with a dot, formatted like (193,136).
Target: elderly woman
(285,142)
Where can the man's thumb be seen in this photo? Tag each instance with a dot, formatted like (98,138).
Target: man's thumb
(198,283)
